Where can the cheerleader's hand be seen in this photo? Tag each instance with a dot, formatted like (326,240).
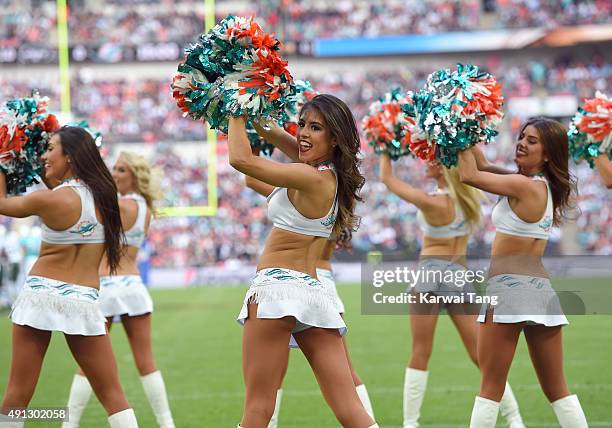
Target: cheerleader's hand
(605,145)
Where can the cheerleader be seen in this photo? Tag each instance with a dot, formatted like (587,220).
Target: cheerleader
(81,223)
(285,299)
(532,200)
(324,269)
(604,166)
(123,295)
(446,218)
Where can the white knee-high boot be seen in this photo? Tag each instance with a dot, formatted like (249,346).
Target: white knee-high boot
(484,413)
(123,419)
(362,392)
(80,393)
(274,420)
(509,409)
(415,383)
(155,390)
(569,412)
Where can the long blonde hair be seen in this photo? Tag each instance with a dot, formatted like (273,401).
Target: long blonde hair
(468,197)
(146,180)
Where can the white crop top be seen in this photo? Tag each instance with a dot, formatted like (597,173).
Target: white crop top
(87,230)
(136,234)
(284,215)
(506,220)
(458,227)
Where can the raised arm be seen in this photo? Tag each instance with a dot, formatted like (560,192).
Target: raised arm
(402,189)
(280,139)
(22,206)
(483,163)
(298,176)
(258,186)
(513,185)
(604,166)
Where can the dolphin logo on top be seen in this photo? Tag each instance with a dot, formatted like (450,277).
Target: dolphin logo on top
(85,228)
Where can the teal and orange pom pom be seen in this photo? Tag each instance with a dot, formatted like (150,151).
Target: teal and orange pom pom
(234,69)
(590,131)
(25,130)
(458,109)
(386,126)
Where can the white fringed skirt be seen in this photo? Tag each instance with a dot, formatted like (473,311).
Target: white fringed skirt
(523,298)
(124,295)
(52,305)
(442,277)
(280,292)
(327,279)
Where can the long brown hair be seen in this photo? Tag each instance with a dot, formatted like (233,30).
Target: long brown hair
(553,136)
(341,123)
(343,240)
(89,167)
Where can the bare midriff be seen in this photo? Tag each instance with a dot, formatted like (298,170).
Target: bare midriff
(328,251)
(452,249)
(518,255)
(290,250)
(72,263)
(127,264)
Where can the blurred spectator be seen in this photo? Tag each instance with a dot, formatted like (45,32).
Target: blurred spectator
(143,110)
(552,13)
(113,24)
(309,19)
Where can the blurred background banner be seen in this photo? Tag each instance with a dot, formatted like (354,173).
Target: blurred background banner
(492,40)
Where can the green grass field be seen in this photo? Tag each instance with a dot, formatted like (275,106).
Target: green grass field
(198,348)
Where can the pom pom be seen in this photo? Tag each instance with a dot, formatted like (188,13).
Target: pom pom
(590,131)
(25,130)
(303,93)
(234,69)
(96,135)
(385,126)
(458,109)
(415,137)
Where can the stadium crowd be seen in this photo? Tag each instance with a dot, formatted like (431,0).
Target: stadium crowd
(138,21)
(552,13)
(33,22)
(143,111)
(299,20)
(387,223)
(124,110)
